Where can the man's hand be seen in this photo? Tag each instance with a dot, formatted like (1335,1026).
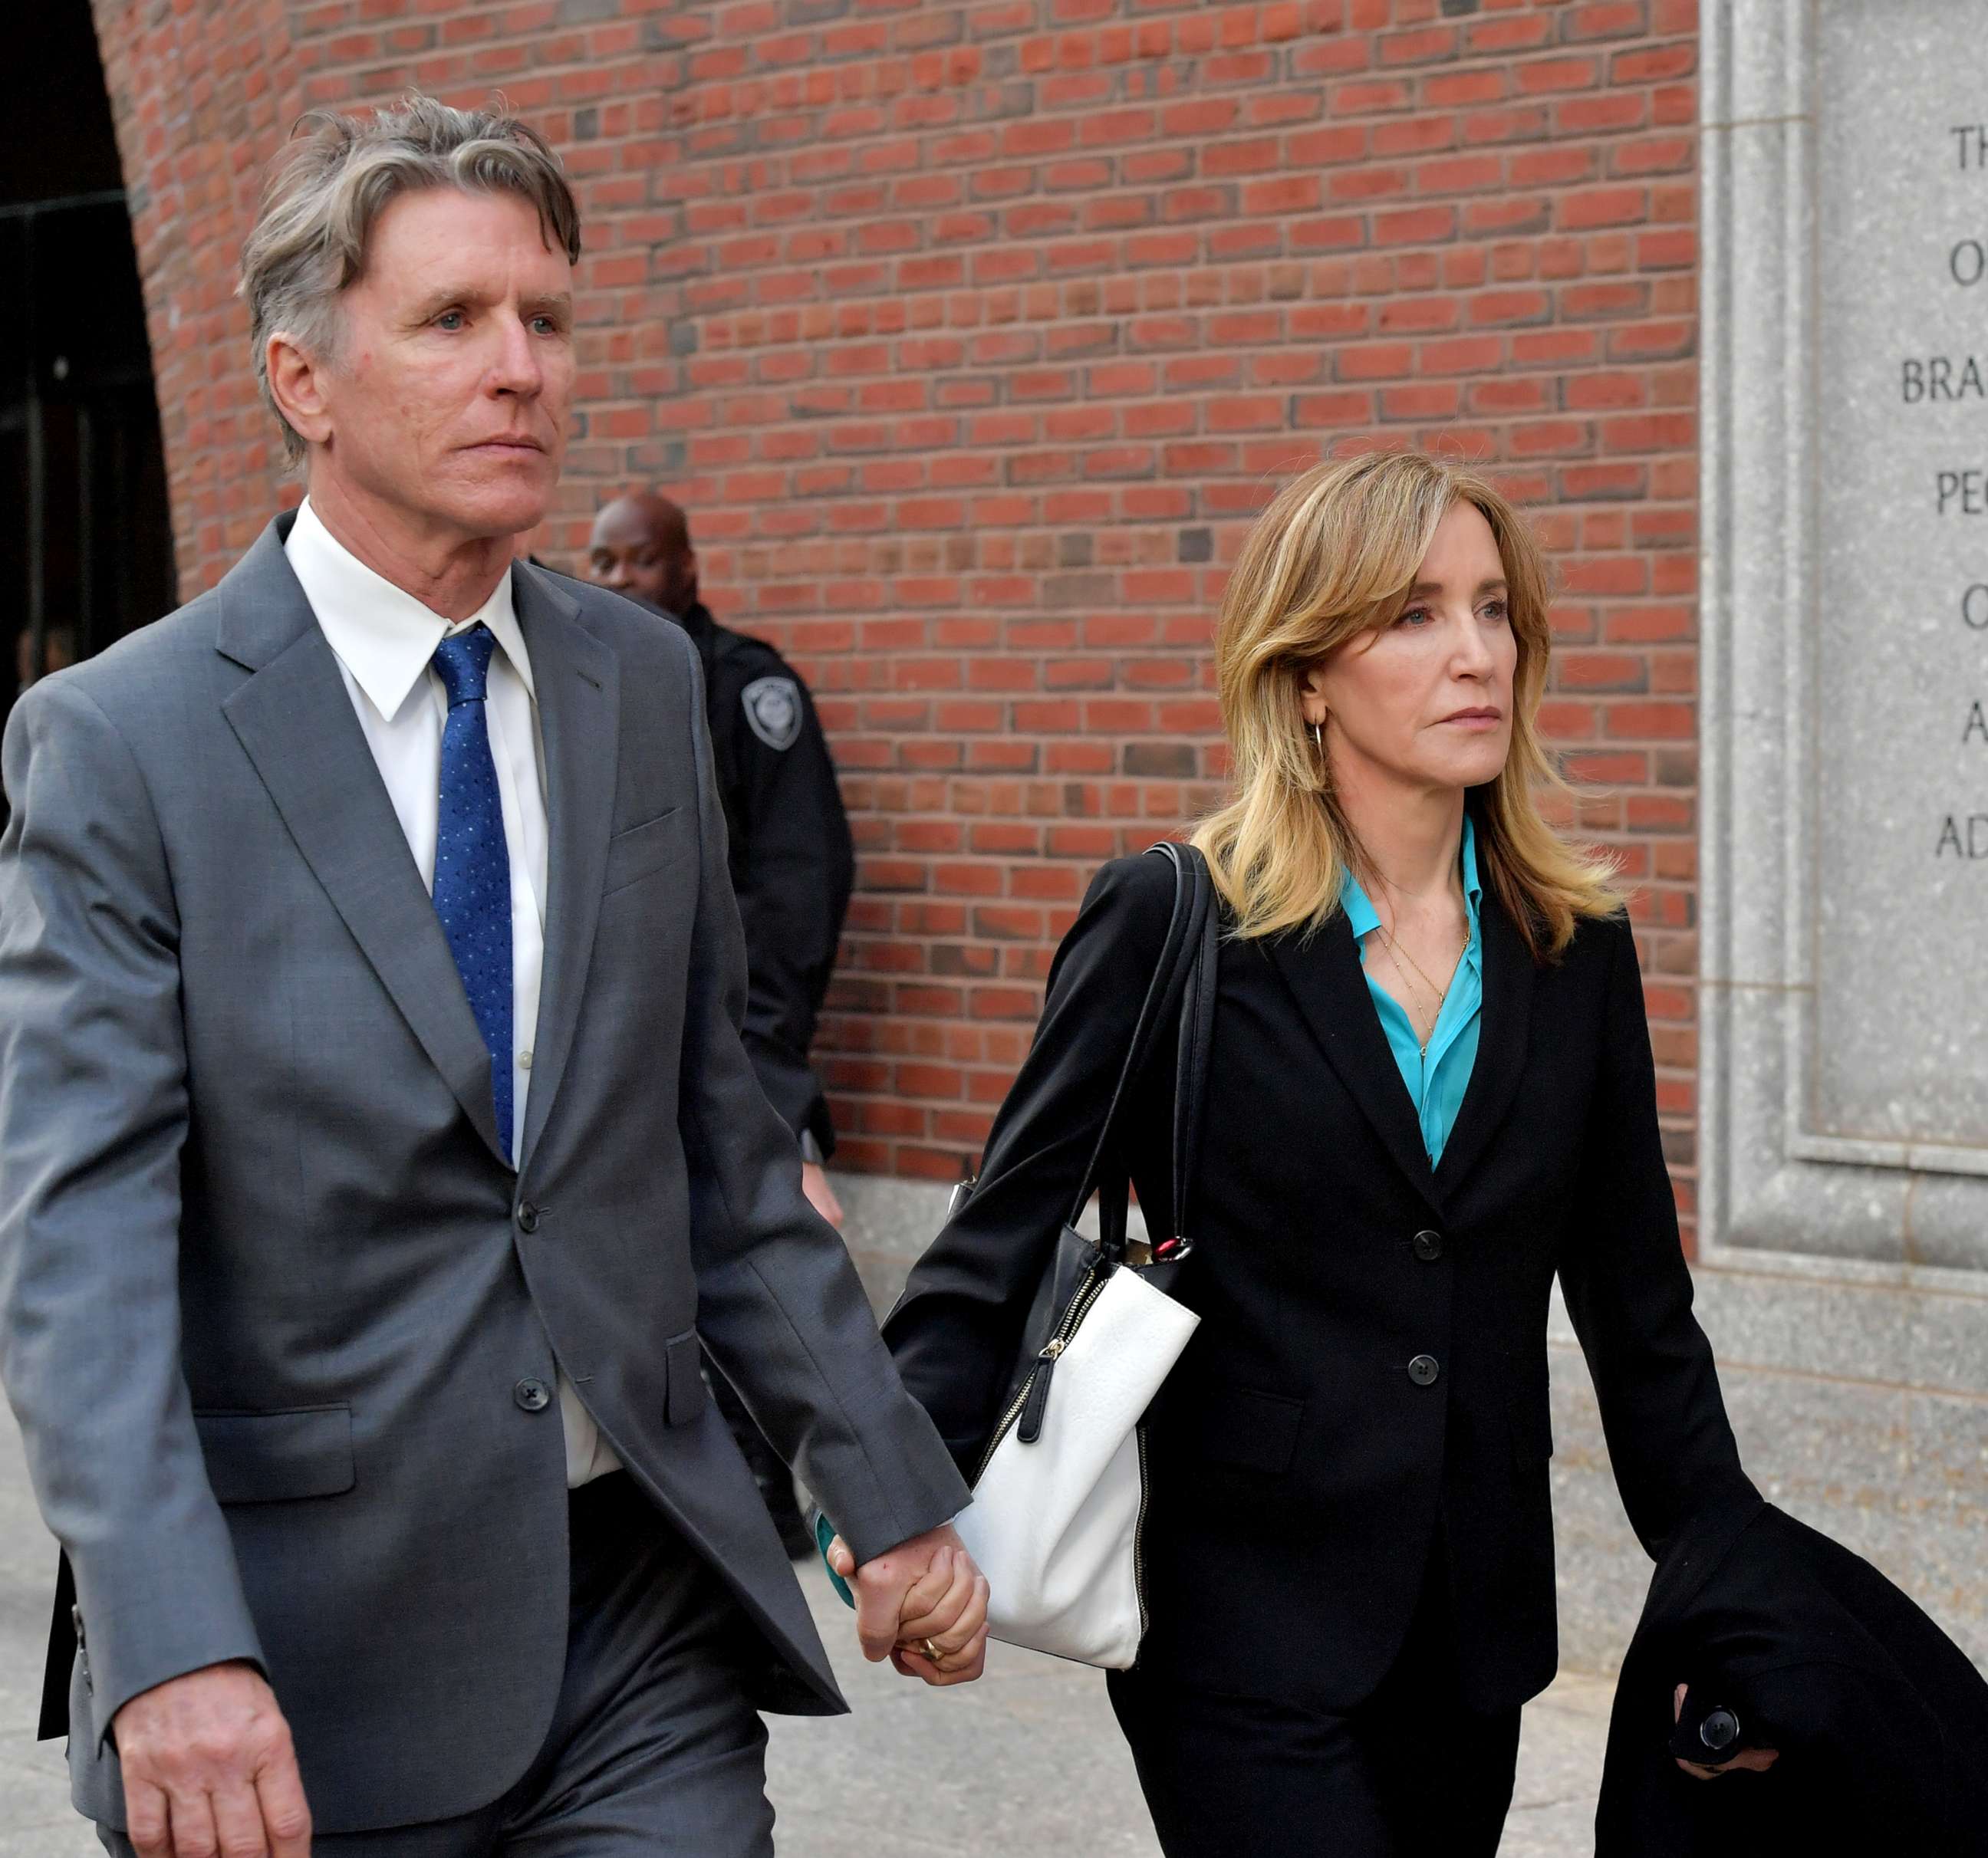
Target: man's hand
(209,1772)
(1755,1761)
(923,1605)
(821,1196)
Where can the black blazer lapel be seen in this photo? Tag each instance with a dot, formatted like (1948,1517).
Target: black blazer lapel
(1504,1033)
(296,723)
(578,688)
(1325,977)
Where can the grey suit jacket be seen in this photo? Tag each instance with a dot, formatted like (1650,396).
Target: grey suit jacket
(272,1302)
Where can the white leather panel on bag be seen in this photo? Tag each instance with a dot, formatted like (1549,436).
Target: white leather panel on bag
(1054,1524)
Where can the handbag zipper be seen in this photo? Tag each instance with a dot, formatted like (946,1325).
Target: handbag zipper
(1045,1361)
(1139,1531)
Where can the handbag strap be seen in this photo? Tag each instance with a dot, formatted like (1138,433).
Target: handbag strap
(1197,1036)
(1186,968)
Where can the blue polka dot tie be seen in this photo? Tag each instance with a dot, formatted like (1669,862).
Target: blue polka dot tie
(473,870)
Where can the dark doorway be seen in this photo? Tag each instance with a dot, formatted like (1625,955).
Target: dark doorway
(86,532)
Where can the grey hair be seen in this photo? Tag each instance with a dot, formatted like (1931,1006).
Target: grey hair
(339,174)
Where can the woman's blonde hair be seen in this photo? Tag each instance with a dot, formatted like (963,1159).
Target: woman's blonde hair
(1334,555)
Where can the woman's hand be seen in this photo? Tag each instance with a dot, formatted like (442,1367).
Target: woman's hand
(939,1601)
(1755,1761)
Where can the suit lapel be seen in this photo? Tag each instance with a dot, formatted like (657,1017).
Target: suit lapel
(579,698)
(295,722)
(1503,1036)
(1324,975)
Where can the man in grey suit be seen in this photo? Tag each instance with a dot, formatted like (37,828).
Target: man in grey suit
(376,1145)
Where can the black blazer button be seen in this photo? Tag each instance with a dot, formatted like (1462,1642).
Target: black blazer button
(1423,1370)
(533,1396)
(1428,1246)
(1719,1730)
(528,1218)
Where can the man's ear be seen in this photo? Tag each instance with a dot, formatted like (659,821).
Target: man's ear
(297,385)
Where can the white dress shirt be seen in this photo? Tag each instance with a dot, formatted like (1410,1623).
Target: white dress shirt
(385,640)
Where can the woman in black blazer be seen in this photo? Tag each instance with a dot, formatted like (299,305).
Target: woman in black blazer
(1430,1090)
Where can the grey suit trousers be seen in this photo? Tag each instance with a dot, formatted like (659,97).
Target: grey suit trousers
(654,1748)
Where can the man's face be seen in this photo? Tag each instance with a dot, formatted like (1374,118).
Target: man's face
(629,553)
(447,400)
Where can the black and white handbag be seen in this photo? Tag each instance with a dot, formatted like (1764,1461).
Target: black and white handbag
(1059,1499)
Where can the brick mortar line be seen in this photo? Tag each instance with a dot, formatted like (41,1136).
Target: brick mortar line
(1600,137)
(1118,237)
(1484,424)
(1158,357)
(1602,140)
(1188,67)
(939,331)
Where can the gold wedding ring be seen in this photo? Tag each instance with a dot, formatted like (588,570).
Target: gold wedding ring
(933,1652)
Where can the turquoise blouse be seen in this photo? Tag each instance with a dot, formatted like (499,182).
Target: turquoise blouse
(1435,1083)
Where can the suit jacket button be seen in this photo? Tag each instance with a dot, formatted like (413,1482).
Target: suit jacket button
(534,1395)
(1423,1370)
(1428,1246)
(528,1218)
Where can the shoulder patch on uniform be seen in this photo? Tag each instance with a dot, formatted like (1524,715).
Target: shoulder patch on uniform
(773,710)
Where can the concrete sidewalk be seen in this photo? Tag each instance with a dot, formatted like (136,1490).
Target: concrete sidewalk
(1028,1759)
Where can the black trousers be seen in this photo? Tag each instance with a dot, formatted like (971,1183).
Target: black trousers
(1410,1773)
(654,1751)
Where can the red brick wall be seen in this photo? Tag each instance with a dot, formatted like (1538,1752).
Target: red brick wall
(973,335)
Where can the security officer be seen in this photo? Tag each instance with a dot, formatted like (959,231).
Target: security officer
(792,861)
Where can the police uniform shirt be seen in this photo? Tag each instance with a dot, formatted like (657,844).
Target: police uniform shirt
(792,860)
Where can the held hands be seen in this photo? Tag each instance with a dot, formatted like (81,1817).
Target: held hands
(209,1769)
(1755,1761)
(923,1605)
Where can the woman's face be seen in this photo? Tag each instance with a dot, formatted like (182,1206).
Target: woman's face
(1426,702)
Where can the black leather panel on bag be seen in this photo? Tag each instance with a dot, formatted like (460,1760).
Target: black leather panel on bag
(1244,1427)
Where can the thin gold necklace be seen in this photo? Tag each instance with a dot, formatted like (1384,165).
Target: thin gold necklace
(1442,993)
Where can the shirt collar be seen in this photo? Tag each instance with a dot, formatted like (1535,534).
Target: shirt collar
(1473,885)
(382,634)
(1473,893)
(1364,918)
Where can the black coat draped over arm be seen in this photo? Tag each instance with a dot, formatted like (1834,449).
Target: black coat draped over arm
(1879,1721)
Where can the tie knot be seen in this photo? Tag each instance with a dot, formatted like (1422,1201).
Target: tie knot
(462,662)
